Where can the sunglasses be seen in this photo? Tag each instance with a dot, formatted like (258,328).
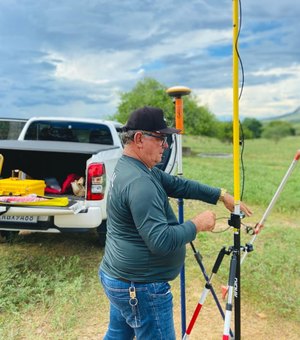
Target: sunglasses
(162,138)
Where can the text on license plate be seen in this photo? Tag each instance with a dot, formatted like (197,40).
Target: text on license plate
(19,219)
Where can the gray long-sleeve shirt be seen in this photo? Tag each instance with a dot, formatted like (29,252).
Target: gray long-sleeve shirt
(145,242)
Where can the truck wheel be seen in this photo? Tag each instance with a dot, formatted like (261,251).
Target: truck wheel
(101,231)
(9,236)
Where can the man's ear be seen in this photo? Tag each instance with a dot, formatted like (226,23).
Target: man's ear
(138,139)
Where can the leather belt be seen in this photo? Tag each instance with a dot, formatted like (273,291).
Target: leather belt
(128,281)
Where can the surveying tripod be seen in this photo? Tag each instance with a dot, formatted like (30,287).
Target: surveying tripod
(234,263)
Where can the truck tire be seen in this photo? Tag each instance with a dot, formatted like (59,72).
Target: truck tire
(9,236)
(101,231)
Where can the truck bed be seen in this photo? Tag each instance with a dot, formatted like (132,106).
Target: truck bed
(54,146)
(48,159)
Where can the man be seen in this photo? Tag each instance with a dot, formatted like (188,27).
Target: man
(145,245)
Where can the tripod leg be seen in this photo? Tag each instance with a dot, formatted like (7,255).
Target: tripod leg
(197,311)
(215,269)
(232,273)
(208,286)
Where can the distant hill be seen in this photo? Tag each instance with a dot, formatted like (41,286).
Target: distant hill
(293,117)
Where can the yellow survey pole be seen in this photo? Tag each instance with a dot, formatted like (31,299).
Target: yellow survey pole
(236,216)
(236,125)
(234,282)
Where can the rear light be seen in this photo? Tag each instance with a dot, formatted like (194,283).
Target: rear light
(95,181)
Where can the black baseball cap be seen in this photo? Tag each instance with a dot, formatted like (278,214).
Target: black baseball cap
(149,118)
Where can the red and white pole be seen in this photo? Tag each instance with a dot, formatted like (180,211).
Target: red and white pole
(260,224)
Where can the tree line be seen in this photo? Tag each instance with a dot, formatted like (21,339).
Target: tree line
(198,119)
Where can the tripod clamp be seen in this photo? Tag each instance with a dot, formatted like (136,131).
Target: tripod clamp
(235,220)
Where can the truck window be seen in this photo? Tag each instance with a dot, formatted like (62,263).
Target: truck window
(100,136)
(10,128)
(69,132)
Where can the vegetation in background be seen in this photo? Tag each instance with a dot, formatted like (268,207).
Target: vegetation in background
(146,92)
(296,125)
(252,128)
(149,92)
(276,130)
(198,120)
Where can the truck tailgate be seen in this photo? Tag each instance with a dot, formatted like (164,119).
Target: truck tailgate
(13,210)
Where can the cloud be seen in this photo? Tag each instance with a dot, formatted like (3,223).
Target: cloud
(77,56)
(258,101)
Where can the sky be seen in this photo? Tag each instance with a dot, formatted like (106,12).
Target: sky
(75,57)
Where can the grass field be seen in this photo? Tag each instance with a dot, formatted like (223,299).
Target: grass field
(48,283)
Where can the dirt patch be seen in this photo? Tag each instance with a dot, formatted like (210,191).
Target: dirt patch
(256,324)
(209,325)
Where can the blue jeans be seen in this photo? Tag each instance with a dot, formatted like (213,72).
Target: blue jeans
(146,312)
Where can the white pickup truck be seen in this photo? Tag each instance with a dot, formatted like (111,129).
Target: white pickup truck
(52,148)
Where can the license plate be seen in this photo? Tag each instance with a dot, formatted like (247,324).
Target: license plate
(19,219)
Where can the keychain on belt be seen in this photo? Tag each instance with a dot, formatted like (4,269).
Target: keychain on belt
(133,301)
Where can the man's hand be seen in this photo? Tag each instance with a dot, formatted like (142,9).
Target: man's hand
(205,221)
(228,201)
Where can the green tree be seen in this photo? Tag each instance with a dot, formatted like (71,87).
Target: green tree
(198,120)
(148,91)
(253,125)
(278,129)
(224,131)
(245,132)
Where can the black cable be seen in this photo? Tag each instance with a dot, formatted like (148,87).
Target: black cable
(237,50)
(223,230)
(242,142)
(220,231)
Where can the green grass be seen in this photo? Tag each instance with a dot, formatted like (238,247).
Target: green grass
(265,164)
(275,271)
(28,281)
(49,286)
(48,282)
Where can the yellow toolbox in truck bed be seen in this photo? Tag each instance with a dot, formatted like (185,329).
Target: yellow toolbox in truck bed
(1,162)
(15,186)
